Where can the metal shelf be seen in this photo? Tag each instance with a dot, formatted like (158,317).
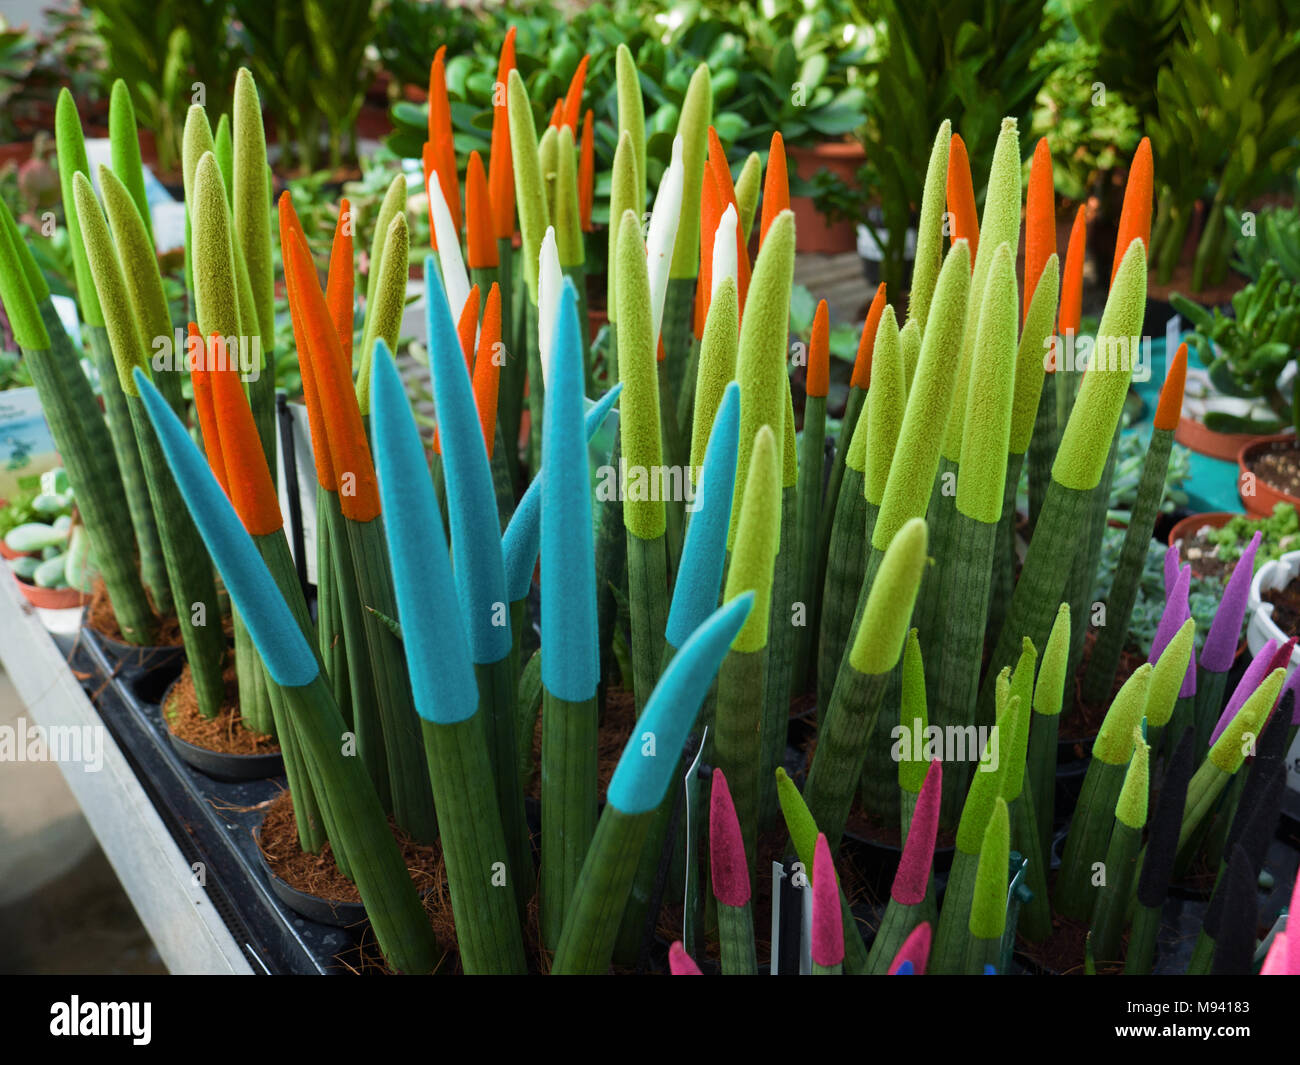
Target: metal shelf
(182,921)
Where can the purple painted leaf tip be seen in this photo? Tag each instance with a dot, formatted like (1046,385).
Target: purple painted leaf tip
(680,963)
(1260,667)
(726,848)
(1221,641)
(827,923)
(915,948)
(913,874)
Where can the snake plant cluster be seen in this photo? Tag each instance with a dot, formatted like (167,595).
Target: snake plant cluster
(729,573)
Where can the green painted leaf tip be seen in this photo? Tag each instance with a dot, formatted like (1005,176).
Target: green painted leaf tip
(106,271)
(879,639)
(988,911)
(909,337)
(638,405)
(530,191)
(196,142)
(693,127)
(1000,224)
(1168,675)
(1016,744)
(717,366)
(761,354)
(27,262)
(748,186)
(798,818)
(1087,436)
(1131,808)
(215,293)
(913,714)
(631,120)
(856,458)
(252,207)
(15,289)
(394,203)
(1239,737)
(568,219)
(757,540)
(916,458)
(384,318)
(1114,742)
(626,193)
(1049,691)
(1031,356)
(124,148)
(987,432)
(887,399)
(929,233)
(224,150)
(135,252)
(71,146)
(986,784)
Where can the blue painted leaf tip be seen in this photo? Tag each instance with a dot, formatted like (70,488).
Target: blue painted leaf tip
(570,642)
(433,632)
(905,970)
(288,657)
(650,758)
(704,553)
(522,537)
(472,515)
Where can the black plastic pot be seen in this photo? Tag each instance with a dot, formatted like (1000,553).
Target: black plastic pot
(221,765)
(333,912)
(136,665)
(213,823)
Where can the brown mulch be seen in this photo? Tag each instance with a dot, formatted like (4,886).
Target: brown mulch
(1278,465)
(100,617)
(225,732)
(1063,951)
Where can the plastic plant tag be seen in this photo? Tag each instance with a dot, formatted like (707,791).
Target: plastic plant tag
(1018,894)
(690,893)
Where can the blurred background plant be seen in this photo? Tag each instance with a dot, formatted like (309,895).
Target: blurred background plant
(1092,129)
(1227,110)
(968,61)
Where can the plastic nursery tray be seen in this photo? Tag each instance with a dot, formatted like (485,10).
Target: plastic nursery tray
(213,822)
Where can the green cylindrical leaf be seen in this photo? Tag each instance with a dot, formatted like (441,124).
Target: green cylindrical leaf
(530,192)
(1085,442)
(916,458)
(879,639)
(987,421)
(693,128)
(252,207)
(754,553)
(72,161)
(639,425)
(886,401)
(929,231)
(761,356)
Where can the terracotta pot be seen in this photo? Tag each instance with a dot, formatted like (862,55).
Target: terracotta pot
(1187,527)
(813,233)
(1194,435)
(15,152)
(1265,496)
(8,552)
(53,598)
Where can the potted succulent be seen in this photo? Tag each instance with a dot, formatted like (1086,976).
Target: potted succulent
(1245,355)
